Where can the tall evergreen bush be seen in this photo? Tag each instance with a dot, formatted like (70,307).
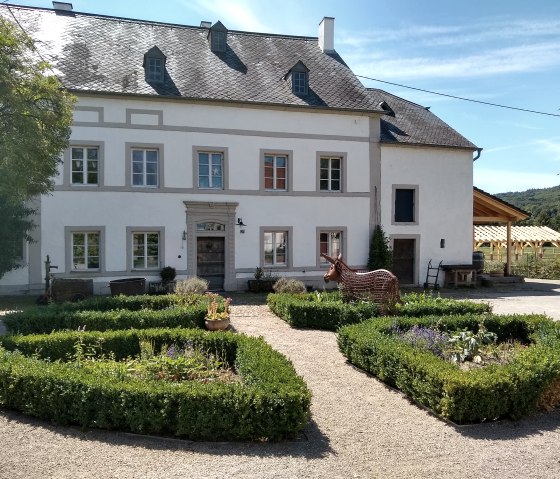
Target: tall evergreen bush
(380,253)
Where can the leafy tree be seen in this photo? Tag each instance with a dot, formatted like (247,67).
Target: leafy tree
(380,254)
(35,118)
(14,227)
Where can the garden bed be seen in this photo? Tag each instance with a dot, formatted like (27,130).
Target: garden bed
(111,313)
(325,310)
(513,389)
(44,376)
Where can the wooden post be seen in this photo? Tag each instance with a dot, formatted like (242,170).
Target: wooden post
(508,252)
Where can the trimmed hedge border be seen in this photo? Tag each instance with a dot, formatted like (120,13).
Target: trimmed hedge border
(304,311)
(511,390)
(418,305)
(106,314)
(270,402)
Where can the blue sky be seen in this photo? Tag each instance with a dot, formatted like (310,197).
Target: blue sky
(497,51)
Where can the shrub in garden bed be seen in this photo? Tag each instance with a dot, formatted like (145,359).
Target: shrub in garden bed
(327,311)
(77,384)
(512,389)
(423,304)
(313,311)
(132,303)
(45,320)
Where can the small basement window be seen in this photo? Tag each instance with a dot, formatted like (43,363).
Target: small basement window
(154,66)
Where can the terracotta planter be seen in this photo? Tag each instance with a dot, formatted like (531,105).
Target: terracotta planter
(216,324)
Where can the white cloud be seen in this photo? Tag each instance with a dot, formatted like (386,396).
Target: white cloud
(524,58)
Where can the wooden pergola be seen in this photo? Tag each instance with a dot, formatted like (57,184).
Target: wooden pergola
(521,236)
(488,209)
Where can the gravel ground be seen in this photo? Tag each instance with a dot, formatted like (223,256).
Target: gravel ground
(359,428)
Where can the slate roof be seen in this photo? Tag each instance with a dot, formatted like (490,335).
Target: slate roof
(410,123)
(96,53)
(103,54)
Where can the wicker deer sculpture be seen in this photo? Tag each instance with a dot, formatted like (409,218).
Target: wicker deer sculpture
(380,286)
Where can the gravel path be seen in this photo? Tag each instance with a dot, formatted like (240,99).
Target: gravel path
(359,428)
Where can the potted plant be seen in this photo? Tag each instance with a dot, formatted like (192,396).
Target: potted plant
(167,285)
(263,282)
(217,315)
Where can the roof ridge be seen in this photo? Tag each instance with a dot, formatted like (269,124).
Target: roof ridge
(398,97)
(158,23)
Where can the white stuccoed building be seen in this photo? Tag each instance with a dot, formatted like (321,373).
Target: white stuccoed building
(216,151)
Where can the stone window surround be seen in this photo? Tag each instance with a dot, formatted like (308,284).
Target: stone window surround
(225,167)
(416,189)
(289,154)
(130,230)
(343,230)
(129,146)
(289,246)
(343,165)
(68,231)
(67,163)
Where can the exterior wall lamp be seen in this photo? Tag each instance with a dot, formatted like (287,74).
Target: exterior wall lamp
(241,225)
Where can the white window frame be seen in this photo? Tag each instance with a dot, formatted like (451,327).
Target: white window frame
(342,232)
(85,171)
(277,239)
(69,232)
(68,160)
(86,257)
(145,255)
(210,150)
(342,182)
(145,175)
(275,168)
(330,170)
(144,147)
(275,231)
(215,160)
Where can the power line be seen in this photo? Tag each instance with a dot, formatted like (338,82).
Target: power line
(461,98)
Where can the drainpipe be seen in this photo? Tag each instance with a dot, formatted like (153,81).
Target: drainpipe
(478,152)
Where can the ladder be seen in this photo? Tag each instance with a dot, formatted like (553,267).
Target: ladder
(432,275)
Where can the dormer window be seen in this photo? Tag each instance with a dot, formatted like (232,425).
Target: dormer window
(385,106)
(154,66)
(218,37)
(299,75)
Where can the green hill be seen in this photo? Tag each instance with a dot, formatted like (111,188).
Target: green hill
(543,204)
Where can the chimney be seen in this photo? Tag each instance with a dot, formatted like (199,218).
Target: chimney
(326,35)
(67,7)
(205,24)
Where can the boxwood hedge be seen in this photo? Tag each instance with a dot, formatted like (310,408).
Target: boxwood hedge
(327,311)
(304,311)
(495,391)
(55,318)
(270,402)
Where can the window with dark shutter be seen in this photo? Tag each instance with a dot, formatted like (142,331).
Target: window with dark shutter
(404,206)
